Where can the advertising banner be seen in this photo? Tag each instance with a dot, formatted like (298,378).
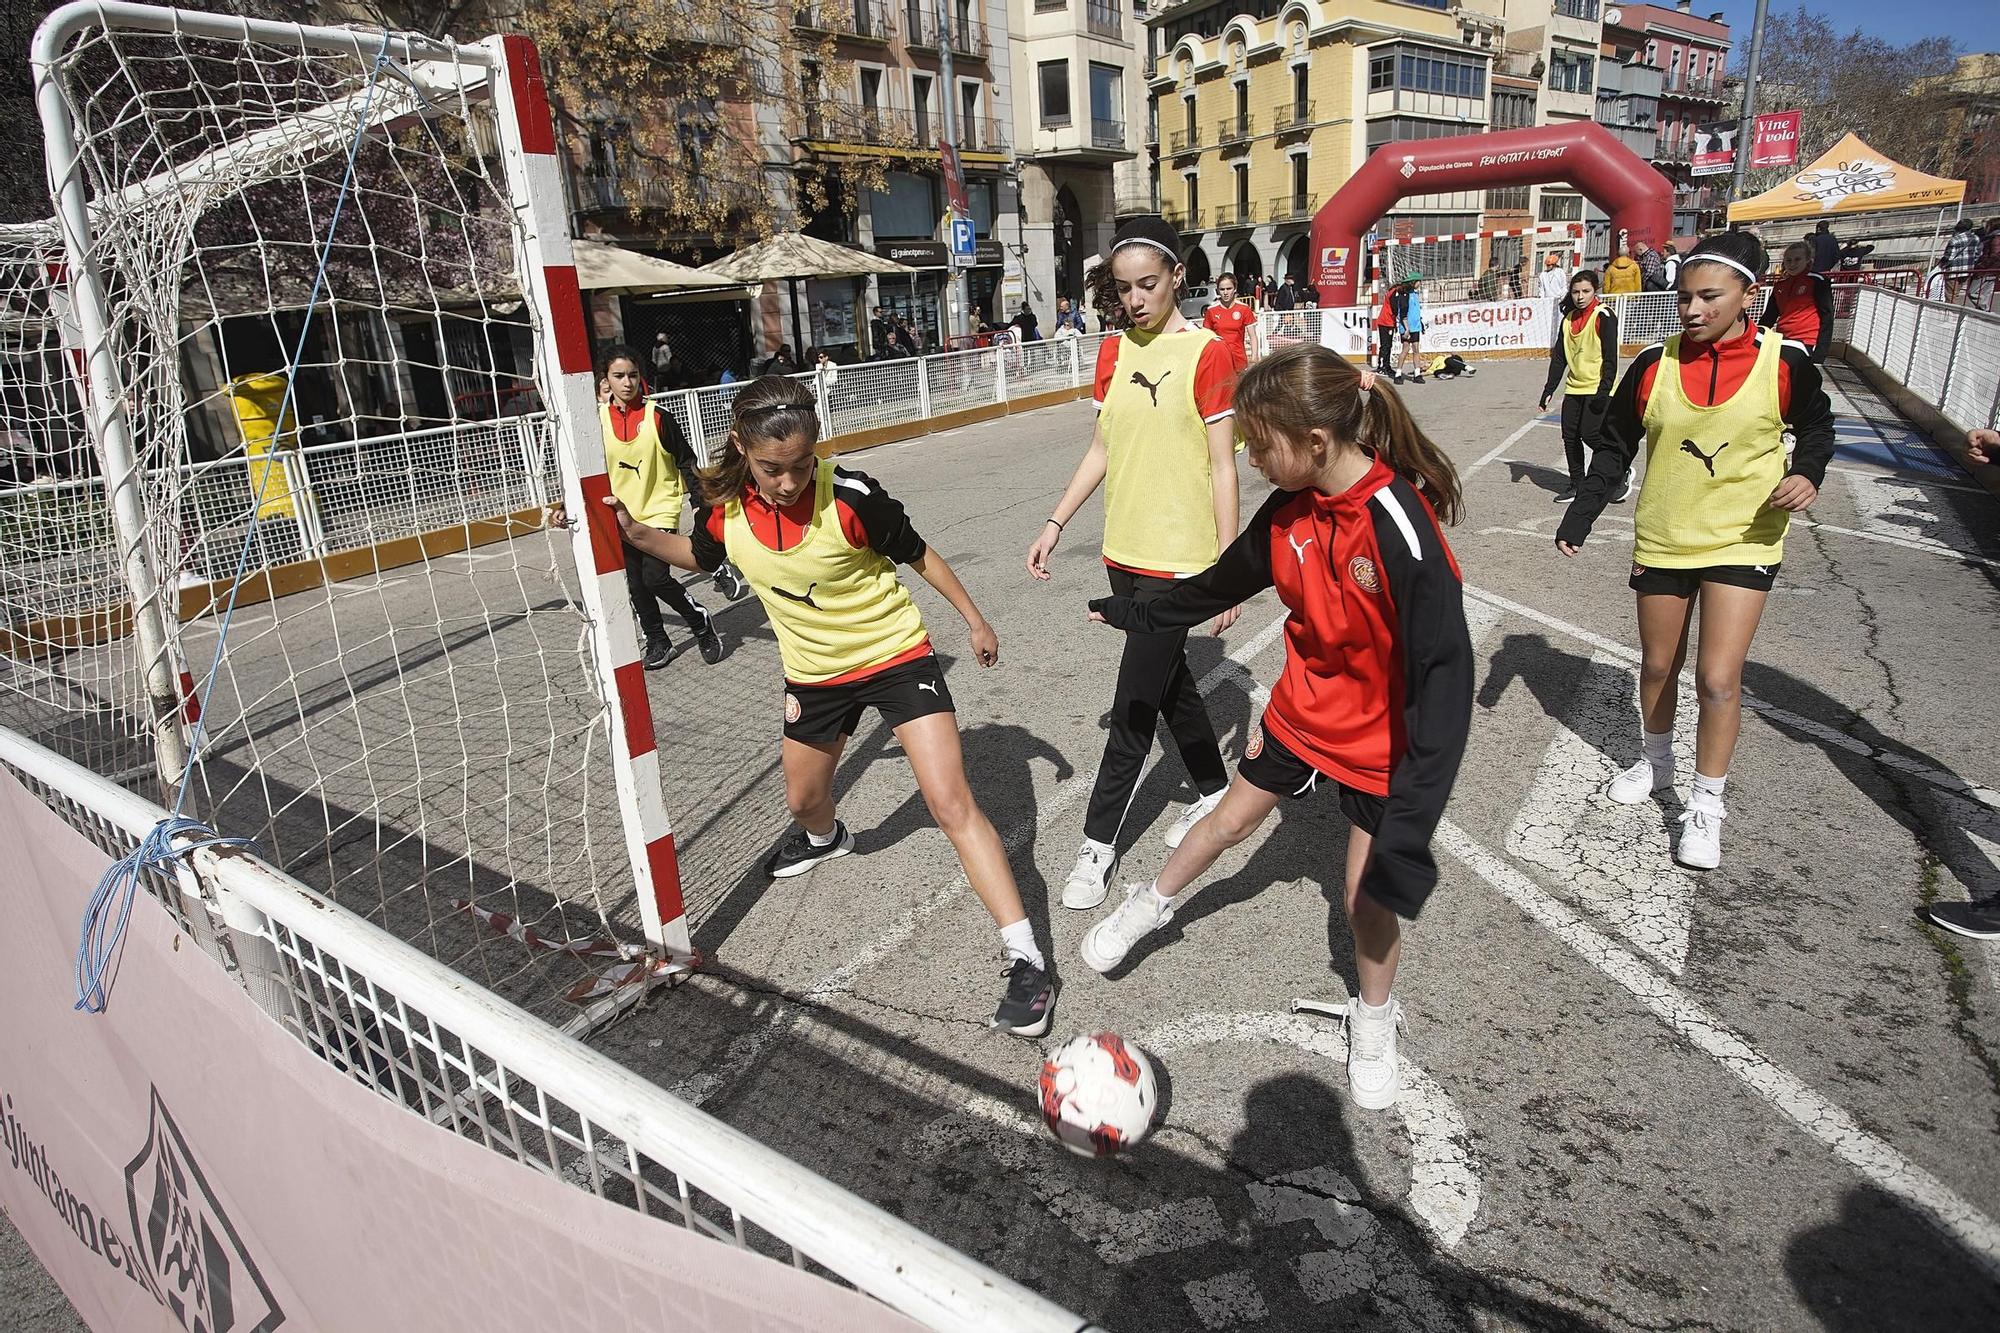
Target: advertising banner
(1468,328)
(1714,151)
(181,1162)
(1774,139)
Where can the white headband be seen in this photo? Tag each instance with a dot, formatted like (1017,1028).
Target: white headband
(1710,257)
(1166,250)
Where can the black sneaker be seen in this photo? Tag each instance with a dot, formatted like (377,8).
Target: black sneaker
(659,651)
(796,854)
(1625,491)
(1030,1002)
(1979,918)
(728,582)
(709,641)
(1568,494)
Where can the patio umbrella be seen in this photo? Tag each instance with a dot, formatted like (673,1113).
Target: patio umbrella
(602,267)
(790,256)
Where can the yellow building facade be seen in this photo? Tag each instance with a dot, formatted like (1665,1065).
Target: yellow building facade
(1261,109)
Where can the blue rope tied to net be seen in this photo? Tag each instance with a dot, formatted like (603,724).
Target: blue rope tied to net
(109,909)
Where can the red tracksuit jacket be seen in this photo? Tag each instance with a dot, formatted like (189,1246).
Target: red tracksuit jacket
(1377,685)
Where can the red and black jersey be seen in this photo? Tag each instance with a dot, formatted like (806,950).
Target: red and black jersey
(869,517)
(1377,684)
(1801,310)
(625,423)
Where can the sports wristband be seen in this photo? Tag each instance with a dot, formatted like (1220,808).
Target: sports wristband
(1057,522)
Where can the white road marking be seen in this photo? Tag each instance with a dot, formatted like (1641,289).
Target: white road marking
(1905,479)
(1504,446)
(750,1047)
(1937,777)
(1813,1113)
(1924,544)
(1615,860)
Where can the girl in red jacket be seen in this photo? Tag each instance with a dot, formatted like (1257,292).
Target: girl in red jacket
(1376,695)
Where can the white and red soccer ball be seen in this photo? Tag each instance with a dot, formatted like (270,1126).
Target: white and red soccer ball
(1098,1095)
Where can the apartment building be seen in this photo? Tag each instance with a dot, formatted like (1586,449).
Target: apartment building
(1628,104)
(1079,122)
(1557,44)
(1262,108)
(1692,55)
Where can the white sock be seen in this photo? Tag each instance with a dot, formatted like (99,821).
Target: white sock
(1019,941)
(1160,900)
(1659,747)
(825,839)
(1103,849)
(1367,1010)
(1708,790)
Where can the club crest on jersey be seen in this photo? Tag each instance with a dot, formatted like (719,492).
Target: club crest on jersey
(1256,745)
(792,709)
(1362,570)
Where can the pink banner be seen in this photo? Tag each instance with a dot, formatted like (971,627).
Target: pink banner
(1774,140)
(181,1162)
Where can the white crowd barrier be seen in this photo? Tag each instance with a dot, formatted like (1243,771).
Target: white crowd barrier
(410,1031)
(1947,356)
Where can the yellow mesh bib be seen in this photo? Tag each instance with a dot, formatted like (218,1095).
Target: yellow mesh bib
(1585,354)
(1710,471)
(641,473)
(1159,501)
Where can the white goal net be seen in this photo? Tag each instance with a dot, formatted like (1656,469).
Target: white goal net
(1492,265)
(320,374)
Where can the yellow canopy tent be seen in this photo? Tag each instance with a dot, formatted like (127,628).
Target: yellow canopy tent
(1849,177)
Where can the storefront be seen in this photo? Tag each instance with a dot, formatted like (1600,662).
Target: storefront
(922,299)
(833,315)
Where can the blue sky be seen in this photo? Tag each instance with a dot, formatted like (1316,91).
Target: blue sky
(1973,24)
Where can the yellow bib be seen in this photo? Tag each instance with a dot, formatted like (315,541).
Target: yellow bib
(1710,471)
(1585,354)
(642,474)
(1159,503)
(836,609)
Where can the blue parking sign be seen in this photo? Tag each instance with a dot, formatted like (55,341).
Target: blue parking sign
(964,242)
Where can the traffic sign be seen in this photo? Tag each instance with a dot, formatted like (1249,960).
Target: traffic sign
(964,242)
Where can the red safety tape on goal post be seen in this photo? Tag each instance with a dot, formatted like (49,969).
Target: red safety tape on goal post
(528,148)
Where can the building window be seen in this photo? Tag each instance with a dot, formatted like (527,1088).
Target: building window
(1674,67)
(1652,53)
(1242,189)
(1577,9)
(1571,71)
(871,89)
(1419,69)
(920,93)
(1054,77)
(1107,104)
(1388,129)
(1299,162)
(1194,200)
(1442,259)
(1512,109)
(907,208)
(1513,199)
(1561,207)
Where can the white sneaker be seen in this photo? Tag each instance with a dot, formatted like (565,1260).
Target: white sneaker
(1090,881)
(1192,816)
(1106,943)
(1639,782)
(1625,492)
(1374,1074)
(1701,837)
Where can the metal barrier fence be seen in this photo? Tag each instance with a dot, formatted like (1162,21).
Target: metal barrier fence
(409,1029)
(1948,356)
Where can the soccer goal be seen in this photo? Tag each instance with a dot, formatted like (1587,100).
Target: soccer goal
(312,304)
(1476,265)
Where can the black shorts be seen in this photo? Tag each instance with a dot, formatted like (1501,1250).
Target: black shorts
(1413,338)
(1269,766)
(819,714)
(1686,582)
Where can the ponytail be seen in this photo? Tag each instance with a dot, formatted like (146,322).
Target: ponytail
(1305,387)
(769,408)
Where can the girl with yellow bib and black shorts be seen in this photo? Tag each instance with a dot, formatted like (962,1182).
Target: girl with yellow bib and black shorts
(1712,406)
(651,466)
(1165,452)
(819,546)
(1584,362)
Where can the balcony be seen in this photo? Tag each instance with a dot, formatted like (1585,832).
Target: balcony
(1707,90)
(836,121)
(1576,9)
(968,35)
(1184,141)
(1186,219)
(844,18)
(1235,215)
(1289,117)
(1107,133)
(1134,203)
(607,192)
(1520,64)
(1235,130)
(981,134)
(1103,19)
(1666,152)
(1294,207)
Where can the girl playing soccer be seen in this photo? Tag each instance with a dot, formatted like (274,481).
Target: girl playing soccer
(1801,304)
(1376,694)
(1584,361)
(652,472)
(816,543)
(1711,406)
(1164,451)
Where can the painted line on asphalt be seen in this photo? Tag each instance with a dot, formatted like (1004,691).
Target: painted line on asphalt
(1940,778)
(1928,547)
(1821,1119)
(749,1048)
(1904,479)
(1503,446)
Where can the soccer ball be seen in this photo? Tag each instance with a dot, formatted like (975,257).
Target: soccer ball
(1098,1095)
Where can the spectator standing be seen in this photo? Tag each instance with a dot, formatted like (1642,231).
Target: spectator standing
(1825,248)
(1652,268)
(1028,327)
(1068,316)
(1961,256)
(1623,275)
(663,357)
(1553,281)
(1287,297)
(881,336)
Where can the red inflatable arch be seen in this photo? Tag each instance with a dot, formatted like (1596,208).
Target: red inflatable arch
(1581,153)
